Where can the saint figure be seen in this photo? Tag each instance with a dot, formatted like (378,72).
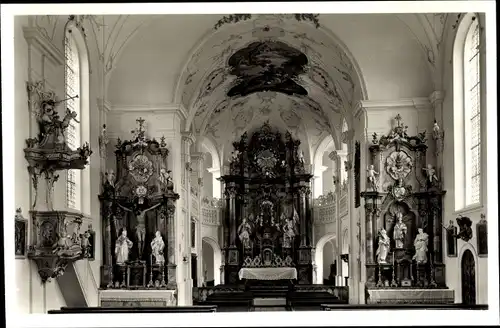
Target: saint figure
(420,243)
(288,233)
(244,231)
(122,247)
(400,230)
(157,246)
(383,246)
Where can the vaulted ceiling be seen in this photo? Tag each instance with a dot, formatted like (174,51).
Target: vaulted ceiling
(303,73)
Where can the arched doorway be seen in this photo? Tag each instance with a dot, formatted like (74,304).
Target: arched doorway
(211,256)
(325,259)
(468,278)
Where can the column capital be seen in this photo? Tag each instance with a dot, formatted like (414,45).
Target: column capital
(333,155)
(103,105)
(188,137)
(436,97)
(197,156)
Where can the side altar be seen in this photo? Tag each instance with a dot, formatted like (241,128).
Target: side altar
(137,209)
(403,208)
(267,209)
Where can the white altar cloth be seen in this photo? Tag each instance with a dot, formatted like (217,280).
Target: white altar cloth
(268,273)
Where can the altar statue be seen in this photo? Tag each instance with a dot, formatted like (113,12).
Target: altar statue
(431,173)
(301,157)
(140,229)
(420,243)
(244,231)
(372,179)
(165,178)
(288,233)
(110,178)
(122,247)
(383,246)
(157,246)
(400,230)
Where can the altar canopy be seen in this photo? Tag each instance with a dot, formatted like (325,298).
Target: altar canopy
(268,217)
(268,273)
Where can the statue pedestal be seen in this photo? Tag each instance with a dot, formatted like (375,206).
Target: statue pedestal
(137,298)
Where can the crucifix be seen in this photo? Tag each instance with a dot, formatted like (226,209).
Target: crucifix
(399,119)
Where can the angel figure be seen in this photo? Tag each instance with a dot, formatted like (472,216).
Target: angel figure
(431,173)
(383,246)
(301,157)
(372,177)
(165,176)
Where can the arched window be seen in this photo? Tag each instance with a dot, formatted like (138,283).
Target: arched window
(467,113)
(472,109)
(73,133)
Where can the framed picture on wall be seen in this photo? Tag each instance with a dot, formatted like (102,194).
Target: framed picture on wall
(21,235)
(482,237)
(357,177)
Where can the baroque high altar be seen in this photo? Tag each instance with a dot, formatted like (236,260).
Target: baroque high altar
(268,207)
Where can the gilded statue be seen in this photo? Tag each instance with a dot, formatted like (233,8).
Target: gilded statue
(157,246)
(140,229)
(400,230)
(122,247)
(383,246)
(420,243)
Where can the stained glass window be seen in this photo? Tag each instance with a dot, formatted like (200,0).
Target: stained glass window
(472,115)
(73,139)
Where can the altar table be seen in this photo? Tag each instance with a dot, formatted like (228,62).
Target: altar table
(268,273)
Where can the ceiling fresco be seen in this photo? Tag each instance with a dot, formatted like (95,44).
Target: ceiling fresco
(267,66)
(293,74)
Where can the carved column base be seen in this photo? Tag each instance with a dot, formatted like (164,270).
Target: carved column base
(171,281)
(107,276)
(371,275)
(440,275)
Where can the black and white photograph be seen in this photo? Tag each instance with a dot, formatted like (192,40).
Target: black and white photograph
(179,162)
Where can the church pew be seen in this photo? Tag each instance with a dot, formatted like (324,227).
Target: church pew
(454,306)
(168,309)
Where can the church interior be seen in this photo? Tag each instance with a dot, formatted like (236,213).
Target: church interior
(251,162)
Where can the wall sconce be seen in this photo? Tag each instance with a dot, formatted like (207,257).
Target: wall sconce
(184,259)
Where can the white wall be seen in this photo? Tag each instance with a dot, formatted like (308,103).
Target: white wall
(32,64)
(453,265)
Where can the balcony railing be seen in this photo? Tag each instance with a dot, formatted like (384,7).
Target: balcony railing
(211,211)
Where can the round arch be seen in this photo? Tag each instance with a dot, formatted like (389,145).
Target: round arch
(217,258)
(467,247)
(318,255)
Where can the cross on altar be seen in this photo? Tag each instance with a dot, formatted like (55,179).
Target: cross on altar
(141,121)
